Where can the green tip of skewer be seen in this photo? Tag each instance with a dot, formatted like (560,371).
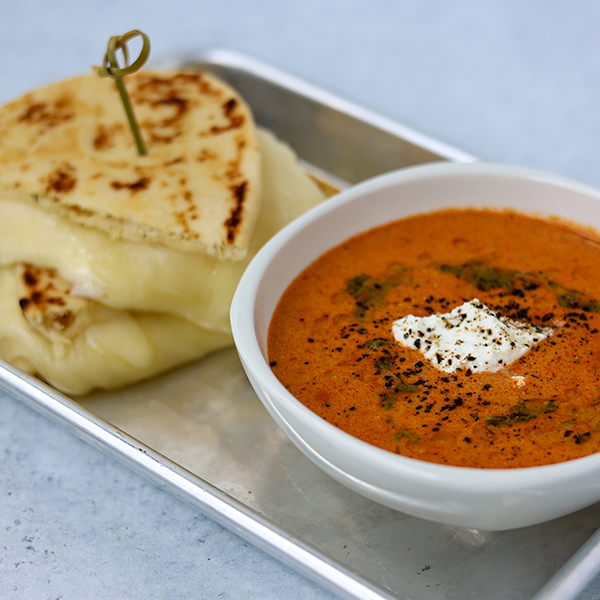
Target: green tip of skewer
(110,68)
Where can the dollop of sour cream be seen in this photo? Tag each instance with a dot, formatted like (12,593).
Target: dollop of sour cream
(470,336)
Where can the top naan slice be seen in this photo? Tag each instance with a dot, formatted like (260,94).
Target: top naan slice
(69,146)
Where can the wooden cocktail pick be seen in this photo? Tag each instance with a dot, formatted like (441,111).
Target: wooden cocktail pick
(110,68)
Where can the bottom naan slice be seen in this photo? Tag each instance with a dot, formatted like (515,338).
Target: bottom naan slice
(78,345)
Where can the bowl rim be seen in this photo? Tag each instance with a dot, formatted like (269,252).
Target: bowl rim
(243,311)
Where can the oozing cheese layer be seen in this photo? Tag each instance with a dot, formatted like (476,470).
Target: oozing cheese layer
(470,336)
(151,277)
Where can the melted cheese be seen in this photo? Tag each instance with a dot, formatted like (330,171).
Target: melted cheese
(152,277)
(100,347)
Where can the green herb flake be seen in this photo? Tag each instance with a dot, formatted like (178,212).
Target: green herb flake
(375,343)
(401,386)
(357,285)
(549,406)
(574,299)
(519,414)
(388,401)
(484,278)
(581,438)
(456,270)
(369,291)
(383,363)
(405,433)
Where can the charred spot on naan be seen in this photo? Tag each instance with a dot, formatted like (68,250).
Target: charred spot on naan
(47,114)
(232,224)
(60,181)
(46,301)
(133,186)
(234,119)
(105,137)
(170,100)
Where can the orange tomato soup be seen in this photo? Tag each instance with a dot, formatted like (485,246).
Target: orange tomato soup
(331,342)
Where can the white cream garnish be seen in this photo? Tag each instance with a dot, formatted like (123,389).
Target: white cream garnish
(469,336)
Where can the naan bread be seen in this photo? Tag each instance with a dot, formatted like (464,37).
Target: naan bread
(69,147)
(152,277)
(82,345)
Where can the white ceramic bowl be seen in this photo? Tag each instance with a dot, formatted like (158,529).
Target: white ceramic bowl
(492,499)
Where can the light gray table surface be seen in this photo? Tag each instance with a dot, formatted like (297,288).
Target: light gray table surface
(513,81)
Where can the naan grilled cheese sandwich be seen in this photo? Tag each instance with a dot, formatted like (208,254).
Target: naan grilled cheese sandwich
(116,267)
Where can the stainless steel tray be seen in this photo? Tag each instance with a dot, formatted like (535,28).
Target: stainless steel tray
(200,432)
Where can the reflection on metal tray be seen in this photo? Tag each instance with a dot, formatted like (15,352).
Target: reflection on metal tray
(342,139)
(201,433)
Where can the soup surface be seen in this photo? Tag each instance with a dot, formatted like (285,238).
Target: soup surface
(331,341)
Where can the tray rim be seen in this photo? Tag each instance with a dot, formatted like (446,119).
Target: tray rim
(234,59)
(566,584)
(188,487)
